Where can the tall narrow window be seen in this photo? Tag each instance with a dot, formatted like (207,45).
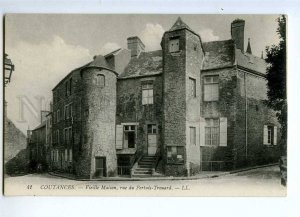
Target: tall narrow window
(147,93)
(100,80)
(129,136)
(192,135)
(211,88)
(58,115)
(270,135)
(212,132)
(192,85)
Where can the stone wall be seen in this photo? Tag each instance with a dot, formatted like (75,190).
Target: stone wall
(131,110)
(194,59)
(252,151)
(224,107)
(98,122)
(174,90)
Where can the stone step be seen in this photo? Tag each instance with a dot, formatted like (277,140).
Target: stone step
(146,163)
(145,166)
(141,172)
(147,160)
(143,169)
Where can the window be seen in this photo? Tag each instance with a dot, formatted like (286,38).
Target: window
(174,45)
(68,87)
(270,135)
(212,132)
(211,88)
(57,136)
(68,135)
(129,136)
(68,111)
(70,155)
(54,117)
(147,93)
(192,136)
(100,80)
(66,154)
(175,154)
(192,85)
(58,116)
(152,129)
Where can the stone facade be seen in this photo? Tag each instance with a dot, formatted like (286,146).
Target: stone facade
(194,106)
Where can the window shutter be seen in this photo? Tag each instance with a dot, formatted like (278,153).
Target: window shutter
(66,154)
(70,155)
(119,136)
(266,135)
(275,135)
(202,132)
(223,131)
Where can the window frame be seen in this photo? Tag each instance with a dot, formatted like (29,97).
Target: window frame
(192,87)
(212,142)
(171,159)
(147,87)
(171,43)
(100,77)
(211,84)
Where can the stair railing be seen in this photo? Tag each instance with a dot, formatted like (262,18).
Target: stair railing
(157,158)
(135,165)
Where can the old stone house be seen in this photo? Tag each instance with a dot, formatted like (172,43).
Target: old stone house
(189,107)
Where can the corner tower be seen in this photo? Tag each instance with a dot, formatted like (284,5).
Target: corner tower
(182,62)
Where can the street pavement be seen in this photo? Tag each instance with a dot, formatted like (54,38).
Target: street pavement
(256,182)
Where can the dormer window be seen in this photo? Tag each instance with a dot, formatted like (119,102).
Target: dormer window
(174,45)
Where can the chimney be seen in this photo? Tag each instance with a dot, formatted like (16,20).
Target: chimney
(237,33)
(135,45)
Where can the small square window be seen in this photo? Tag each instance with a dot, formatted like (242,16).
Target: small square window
(174,45)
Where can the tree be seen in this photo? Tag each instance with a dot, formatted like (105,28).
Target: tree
(276,80)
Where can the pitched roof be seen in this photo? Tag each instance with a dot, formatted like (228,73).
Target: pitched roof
(112,53)
(179,24)
(147,63)
(218,54)
(40,126)
(250,61)
(99,61)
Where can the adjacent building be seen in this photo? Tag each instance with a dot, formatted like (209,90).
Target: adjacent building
(189,107)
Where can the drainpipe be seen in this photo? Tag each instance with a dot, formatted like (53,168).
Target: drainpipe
(246,117)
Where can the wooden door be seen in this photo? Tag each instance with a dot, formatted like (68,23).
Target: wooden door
(100,166)
(152,144)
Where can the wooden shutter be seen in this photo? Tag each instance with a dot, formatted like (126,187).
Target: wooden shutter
(266,135)
(202,132)
(275,135)
(223,131)
(70,155)
(119,136)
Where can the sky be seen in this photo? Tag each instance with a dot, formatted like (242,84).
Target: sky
(45,48)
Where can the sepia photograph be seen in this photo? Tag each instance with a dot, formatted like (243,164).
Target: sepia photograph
(145,105)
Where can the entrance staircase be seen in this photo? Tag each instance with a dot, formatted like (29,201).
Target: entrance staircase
(145,167)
